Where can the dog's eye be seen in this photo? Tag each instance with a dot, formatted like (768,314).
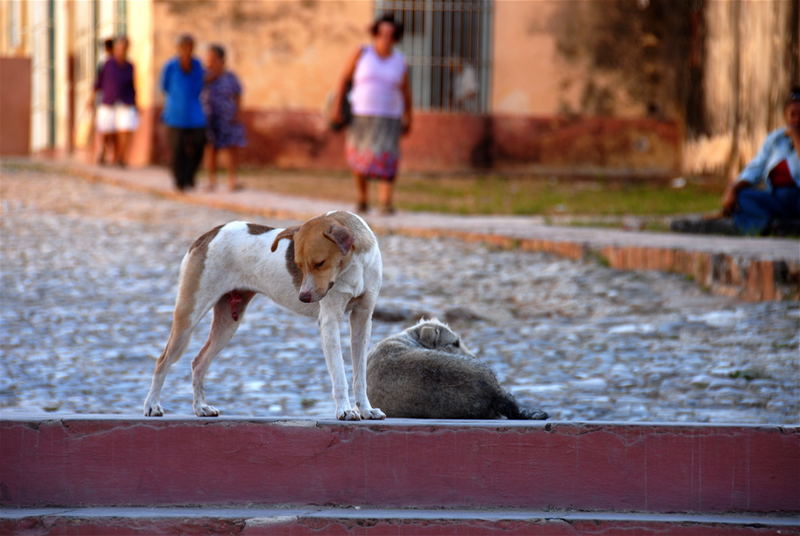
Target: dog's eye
(319,264)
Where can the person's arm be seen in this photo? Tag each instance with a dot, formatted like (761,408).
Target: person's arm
(201,81)
(346,78)
(407,104)
(730,195)
(751,175)
(237,99)
(133,84)
(164,81)
(96,87)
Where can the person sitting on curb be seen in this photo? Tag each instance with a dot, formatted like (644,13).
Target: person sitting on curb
(773,209)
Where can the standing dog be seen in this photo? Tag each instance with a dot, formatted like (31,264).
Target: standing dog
(327,267)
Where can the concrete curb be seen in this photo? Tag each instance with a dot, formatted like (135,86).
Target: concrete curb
(80,461)
(294,521)
(750,269)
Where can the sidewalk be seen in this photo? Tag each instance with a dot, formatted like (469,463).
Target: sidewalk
(753,269)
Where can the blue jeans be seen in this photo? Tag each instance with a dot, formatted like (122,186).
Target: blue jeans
(755,209)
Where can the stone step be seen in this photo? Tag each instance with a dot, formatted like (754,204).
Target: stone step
(108,460)
(313,521)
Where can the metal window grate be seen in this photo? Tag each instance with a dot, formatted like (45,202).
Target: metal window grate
(447,47)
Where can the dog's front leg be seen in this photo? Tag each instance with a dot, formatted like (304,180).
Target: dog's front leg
(329,322)
(360,331)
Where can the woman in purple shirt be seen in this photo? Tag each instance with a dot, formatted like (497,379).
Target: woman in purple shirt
(221,101)
(117,115)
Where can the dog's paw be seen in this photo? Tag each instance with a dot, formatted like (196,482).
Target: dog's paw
(206,411)
(153,410)
(348,415)
(373,414)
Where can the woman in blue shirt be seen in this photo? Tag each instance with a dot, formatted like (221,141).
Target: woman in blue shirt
(777,167)
(182,81)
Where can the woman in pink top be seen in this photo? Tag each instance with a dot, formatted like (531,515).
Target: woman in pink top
(381,103)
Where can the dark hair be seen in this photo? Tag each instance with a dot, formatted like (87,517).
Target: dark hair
(219,50)
(397,34)
(185,39)
(108,44)
(794,95)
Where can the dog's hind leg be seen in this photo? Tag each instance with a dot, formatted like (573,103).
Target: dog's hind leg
(228,312)
(176,344)
(184,320)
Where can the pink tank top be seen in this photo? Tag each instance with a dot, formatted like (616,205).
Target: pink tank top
(376,84)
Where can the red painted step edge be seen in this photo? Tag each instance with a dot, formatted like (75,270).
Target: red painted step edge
(282,522)
(106,460)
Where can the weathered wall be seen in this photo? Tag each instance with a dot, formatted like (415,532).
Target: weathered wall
(625,85)
(531,74)
(15,106)
(140,29)
(287,54)
(747,74)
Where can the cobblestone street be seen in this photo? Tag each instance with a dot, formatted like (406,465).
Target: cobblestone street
(89,273)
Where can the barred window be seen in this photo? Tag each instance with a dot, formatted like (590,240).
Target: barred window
(446,44)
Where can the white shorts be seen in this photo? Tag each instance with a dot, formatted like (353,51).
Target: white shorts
(116,118)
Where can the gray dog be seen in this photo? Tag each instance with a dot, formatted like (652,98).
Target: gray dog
(427,372)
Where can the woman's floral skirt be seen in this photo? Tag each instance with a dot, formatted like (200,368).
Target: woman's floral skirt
(373,146)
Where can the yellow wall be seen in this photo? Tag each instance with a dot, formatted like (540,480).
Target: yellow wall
(140,53)
(14,11)
(288,55)
(529,75)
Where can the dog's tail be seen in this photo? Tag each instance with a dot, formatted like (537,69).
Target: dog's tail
(506,406)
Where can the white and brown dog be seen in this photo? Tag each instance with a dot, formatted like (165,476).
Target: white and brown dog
(326,268)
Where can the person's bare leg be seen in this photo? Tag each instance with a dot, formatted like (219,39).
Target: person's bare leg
(123,143)
(109,147)
(211,164)
(385,193)
(233,162)
(99,142)
(114,142)
(361,192)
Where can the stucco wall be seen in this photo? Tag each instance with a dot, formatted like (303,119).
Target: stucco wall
(288,55)
(747,77)
(15,103)
(532,76)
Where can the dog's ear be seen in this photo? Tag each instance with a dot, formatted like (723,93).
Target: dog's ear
(429,336)
(341,236)
(286,233)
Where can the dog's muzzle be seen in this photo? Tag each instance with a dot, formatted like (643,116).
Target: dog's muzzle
(307,296)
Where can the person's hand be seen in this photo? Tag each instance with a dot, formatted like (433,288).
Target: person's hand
(406,125)
(338,116)
(729,201)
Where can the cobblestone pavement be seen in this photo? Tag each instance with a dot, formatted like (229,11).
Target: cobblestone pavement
(88,279)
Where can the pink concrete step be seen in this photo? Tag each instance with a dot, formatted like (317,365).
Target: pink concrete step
(314,521)
(76,461)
